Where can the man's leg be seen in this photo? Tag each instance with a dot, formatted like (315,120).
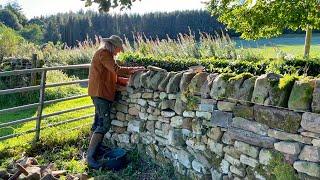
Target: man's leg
(101,126)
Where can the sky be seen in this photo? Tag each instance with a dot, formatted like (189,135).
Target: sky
(33,8)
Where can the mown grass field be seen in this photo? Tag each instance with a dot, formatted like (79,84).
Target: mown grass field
(291,44)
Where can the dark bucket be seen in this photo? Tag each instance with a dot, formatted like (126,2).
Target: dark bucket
(115,159)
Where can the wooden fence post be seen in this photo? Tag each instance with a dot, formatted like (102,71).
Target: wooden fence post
(34,65)
(41,104)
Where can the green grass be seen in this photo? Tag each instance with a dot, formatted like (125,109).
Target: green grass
(295,50)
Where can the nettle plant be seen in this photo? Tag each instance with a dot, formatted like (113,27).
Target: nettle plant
(256,19)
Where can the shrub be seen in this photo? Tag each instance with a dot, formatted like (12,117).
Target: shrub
(9,41)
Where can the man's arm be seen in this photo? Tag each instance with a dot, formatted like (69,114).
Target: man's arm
(109,63)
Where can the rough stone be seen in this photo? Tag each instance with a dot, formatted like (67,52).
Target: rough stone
(135,138)
(242,88)
(215,147)
(120,116)
(152,117)
(220,86)
(207,85)
(248,161)
(197,126)
(311,122)
(252,126)
(143,116)
(301,95)
(243,111)
(150,126)
(316,97)
(135,126)
(168,104)
(168,114)
(224,166)
(267,92)
(246,149)
(232,160)
(144,78)
(187,123)
(180,106)
(189,114)
(310,153)
(238,171)
(135,95)
(286,120)
(215,133)
(221,119)
(119,123)
(136,79)
(122,108)
(227,139)
(157,79)
(316,142)
(118,129)
(215,175)
(194,144)
(287,147)
(172,96)
(142,102)
(163,95)
(207,107)
(251,138)
(226,106)
(163,84)
(310,134)
(312,169)
(288,136)
(197,82)
(176,121)
(185,80)
(185,158)
(173,84)
(265,156)
(124,138)
(147,138)
(205,115)
(175,137)
(199,167)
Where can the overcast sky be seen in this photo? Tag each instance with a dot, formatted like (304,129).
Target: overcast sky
(33,8)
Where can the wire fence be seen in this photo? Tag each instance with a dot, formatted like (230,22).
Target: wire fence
(41,87)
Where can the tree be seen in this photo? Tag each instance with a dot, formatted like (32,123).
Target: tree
(52,32)
(10,19)
(9,41)
(32,32)
(268,18)
(105,5)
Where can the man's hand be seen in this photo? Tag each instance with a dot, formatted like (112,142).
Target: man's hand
(136,69)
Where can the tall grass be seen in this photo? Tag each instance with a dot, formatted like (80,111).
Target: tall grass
(219,46)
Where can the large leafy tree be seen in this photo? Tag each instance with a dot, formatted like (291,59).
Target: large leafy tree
(105,5)
(268,18)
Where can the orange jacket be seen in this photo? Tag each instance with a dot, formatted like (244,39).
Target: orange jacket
(103,75)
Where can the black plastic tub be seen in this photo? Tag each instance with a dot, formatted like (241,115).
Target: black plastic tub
(115,159)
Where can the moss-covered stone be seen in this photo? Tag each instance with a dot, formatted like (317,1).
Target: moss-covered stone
(197,82)
(268,92)
(278,118)
(316,97)
(301,95)
(243,111)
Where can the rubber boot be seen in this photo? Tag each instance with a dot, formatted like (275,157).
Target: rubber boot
(94,143)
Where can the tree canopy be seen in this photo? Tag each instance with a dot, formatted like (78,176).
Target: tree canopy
(105,5)
(256,19)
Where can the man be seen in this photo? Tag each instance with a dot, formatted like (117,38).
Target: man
(102,89)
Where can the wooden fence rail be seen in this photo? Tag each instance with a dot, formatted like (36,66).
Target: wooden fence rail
(41,103)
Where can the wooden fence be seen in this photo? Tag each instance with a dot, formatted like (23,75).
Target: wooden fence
(40,105)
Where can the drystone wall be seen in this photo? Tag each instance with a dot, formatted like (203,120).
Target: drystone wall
(221,126)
